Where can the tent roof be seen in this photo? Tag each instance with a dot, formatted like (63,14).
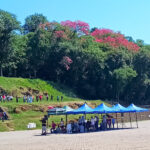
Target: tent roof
(56,111)
(84,109)
(120,109)
(134,108)
(102,108)
(67,108)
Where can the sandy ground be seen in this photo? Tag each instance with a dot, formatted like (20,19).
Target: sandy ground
(123,139)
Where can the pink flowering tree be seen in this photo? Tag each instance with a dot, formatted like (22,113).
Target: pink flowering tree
(66,62)
(82,28)
(60,34)
(113,39)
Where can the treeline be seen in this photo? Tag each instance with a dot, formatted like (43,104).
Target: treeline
(96,63)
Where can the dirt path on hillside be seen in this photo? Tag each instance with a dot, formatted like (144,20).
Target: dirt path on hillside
(126,139)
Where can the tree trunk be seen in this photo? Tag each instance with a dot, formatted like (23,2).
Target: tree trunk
(29,75)
(34,73)
(1,70)
(15,73)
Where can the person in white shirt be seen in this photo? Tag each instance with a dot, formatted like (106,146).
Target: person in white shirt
(113,122)
(69,128)
(92,123)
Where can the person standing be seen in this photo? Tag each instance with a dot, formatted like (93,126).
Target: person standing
(24,98)
(0,98)
(32,98)
(37,98)
(28,99)
(40,97)
(96,122)
(51,97)
(113,122)
(104,123)
(47,97)
(17,99)
(92,123)
(57,98)
(62,98)
(4,98)
(44,126)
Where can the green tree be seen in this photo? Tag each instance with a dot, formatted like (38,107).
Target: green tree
(18,61)
(140,42)
(8,25)
(32,22)
(123,77)
(38,44)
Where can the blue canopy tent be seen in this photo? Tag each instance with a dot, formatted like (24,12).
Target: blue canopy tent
(84,109)
(56,111)
(136,109)
(120,109)
(67,110)
(102,108)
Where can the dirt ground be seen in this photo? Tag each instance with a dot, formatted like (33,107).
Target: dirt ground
(123,139)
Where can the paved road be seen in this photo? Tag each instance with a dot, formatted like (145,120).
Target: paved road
(126,139)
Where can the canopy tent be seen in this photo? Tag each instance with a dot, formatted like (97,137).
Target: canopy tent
(102,108)
(84,109)
(120,109)
(67,109)
(134,108)
(56,111)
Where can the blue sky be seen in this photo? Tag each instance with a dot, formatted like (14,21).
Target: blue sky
(130,17)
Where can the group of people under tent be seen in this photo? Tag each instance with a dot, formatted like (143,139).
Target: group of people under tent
(82,125)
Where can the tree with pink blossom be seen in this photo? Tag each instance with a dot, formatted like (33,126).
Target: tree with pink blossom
(66,62)
(113,39)
(82,28)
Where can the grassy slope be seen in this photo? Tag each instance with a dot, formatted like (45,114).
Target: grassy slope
(17,86)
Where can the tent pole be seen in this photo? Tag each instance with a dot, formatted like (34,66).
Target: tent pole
(122,120)
(130,120)
(136,119)
(85,116)
(66,119)
(47,121)
(117,120)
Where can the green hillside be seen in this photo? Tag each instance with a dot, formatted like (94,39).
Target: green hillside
(20,114)
(19,87)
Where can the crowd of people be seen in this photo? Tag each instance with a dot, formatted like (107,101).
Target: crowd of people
(30,98)
(82,125)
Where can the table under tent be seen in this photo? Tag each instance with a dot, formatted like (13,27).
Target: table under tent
(100,109)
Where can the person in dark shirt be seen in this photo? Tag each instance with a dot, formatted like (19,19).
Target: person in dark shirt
(37,98)
(44,126)
(62,98)
(88,125)
(51,97)
(16,99)
(57,98)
